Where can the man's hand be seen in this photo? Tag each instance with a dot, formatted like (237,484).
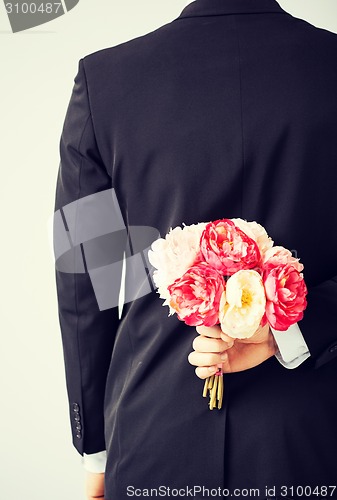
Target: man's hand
(94,485)
(213,347)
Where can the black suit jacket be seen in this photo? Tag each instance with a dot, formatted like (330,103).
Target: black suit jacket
(230,110)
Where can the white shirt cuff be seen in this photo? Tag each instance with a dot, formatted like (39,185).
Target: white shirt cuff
(94,462)
(292,348)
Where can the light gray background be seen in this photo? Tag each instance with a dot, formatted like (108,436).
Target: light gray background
(38,460)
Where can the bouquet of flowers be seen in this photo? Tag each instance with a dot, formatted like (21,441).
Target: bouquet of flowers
(228,272)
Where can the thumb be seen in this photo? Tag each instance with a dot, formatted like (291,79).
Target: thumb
(226,364)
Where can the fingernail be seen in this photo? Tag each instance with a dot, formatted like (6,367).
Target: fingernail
(212,369)
(224,356)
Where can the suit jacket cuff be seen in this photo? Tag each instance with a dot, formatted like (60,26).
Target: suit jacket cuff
(292,348)
(94,462)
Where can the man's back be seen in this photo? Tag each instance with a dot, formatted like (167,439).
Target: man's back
(230,114)
(228,111)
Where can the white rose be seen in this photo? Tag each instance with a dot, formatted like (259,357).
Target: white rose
(243,304)
(174,254)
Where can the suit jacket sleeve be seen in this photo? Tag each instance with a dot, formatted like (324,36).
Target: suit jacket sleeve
(319,324)
(88,332)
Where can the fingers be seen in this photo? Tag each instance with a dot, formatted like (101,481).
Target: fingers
(205,344)
(209,351)
(225,337)
(207,371)
(204,371)
(206,359)
(209,331)
(214,332)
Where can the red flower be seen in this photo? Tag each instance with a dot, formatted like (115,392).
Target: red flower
(227,248)
(286,295)
(196,295)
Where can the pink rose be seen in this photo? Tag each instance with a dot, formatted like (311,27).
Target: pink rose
(286,295)
(196,295)
(227,248)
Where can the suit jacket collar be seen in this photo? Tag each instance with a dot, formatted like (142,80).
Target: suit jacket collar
(223,7)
